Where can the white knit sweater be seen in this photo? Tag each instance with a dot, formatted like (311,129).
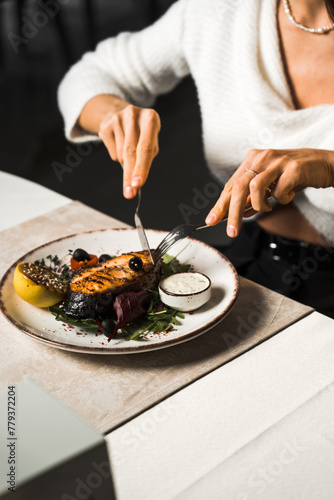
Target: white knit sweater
(230,47)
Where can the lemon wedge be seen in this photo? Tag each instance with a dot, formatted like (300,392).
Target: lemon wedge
(38,285)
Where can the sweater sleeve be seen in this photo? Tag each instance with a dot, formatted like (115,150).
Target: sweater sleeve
(133,66)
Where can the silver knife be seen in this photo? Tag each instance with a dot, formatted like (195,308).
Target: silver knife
(140,229)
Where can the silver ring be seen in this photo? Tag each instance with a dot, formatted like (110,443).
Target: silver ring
(250,170)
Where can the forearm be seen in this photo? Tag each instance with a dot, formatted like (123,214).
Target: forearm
(98,109)
(330,155)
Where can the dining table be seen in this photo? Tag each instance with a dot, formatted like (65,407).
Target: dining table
(242,411)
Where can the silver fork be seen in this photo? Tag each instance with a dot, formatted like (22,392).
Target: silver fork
(181,232)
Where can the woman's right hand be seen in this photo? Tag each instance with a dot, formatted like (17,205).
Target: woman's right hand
(130,134)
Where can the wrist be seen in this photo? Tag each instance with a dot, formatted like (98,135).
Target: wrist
(99,109)
(330,163)
(332,168)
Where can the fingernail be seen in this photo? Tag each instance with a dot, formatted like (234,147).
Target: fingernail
(231,231)
(210,218)
(136,181)
(128,192)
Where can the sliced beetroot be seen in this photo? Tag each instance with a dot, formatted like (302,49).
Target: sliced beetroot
(129,306)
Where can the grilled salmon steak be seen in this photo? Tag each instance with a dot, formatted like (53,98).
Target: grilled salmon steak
(93,289)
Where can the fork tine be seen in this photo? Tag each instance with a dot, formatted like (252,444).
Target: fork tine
(178,233)
(160,251)
(162,245)
(166,244)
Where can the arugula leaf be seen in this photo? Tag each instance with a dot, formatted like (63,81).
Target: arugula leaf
(171,265)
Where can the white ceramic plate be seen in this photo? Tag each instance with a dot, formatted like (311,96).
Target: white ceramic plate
(41,325)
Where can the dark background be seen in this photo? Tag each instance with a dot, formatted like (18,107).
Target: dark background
(31,127)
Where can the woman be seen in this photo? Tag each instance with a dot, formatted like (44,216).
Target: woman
(263,72)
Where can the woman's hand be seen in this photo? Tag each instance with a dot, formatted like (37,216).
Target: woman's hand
(129,133)
(276,173)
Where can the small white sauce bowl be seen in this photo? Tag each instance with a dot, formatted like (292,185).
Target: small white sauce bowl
(185,300)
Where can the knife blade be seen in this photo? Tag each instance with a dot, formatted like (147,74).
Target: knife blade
(140,228)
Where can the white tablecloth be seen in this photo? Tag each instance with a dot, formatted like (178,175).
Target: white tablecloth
(260,427)
(21,200)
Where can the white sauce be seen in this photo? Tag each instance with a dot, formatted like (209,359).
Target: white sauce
(185,283)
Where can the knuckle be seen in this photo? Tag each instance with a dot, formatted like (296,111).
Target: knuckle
(255,184)
(131,111)
(285,159)
(227,188)
(218,206)
(114,121)
(150,113)
(104,128)
(238,188)
(152,116)
(146,147)
(251,153)
(294,166)
(130,150)
(269,152)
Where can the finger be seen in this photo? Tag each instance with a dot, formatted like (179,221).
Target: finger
(237,206)
(147,147)
(129,155)
(219,210)
(260,189)
(128,191)
(284,190)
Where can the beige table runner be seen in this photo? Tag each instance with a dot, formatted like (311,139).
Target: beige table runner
(108,390)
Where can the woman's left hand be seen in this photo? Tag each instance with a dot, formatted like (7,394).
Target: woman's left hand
(276,173)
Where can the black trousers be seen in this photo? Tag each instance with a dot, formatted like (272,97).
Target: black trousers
(295,269)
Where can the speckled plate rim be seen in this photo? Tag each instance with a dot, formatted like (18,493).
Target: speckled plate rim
(119,350)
